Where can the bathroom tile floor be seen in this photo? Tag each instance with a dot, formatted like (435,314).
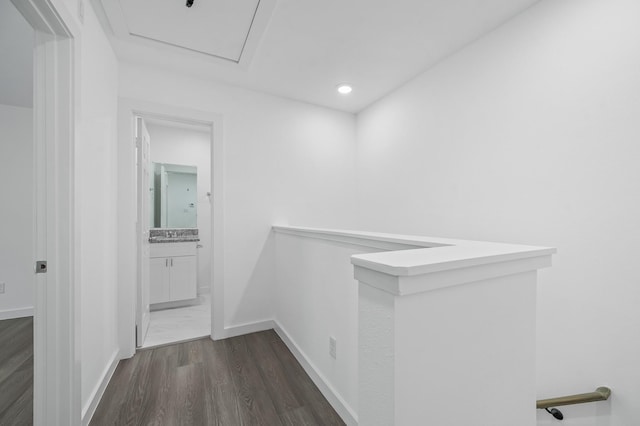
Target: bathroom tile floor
(179,324)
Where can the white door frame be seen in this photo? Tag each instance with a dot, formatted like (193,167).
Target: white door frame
(127,213)
(56,331)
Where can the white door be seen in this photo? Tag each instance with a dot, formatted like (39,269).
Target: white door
(143,160)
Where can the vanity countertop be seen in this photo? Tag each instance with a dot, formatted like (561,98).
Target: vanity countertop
(173,235)
(182,239)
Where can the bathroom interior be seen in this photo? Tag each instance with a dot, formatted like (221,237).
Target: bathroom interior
(179,233)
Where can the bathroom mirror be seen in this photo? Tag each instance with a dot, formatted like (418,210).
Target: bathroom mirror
(174,196)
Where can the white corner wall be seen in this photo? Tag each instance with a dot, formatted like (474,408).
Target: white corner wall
(96,208)
(530,135)
(17,212)
(188,147)
(285,162)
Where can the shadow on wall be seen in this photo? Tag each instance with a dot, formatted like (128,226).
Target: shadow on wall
(255,304)
(597,413)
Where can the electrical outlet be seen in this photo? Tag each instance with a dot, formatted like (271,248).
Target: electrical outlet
(1,288)
(332,347)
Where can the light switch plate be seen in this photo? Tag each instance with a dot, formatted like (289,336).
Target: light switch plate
(1,288)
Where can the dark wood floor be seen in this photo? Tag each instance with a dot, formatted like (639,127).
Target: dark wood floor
(246,380)
(16,371)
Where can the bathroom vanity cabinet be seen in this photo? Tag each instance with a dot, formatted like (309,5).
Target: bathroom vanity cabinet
(173,272)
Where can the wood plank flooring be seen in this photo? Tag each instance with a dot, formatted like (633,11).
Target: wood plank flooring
(247,380)
(16,371)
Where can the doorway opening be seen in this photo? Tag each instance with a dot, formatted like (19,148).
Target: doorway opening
(17,189)
(128,213)
(174,197)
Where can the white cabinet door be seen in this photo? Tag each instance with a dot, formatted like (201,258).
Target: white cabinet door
(183,278)
(159,280)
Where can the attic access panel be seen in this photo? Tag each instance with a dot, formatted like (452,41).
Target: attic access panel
(218,28)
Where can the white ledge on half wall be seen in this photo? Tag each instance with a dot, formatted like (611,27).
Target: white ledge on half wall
(409,256)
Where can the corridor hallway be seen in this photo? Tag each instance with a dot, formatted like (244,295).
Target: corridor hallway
(250,379)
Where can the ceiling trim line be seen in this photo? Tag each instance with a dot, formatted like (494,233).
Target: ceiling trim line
(253,18)
(257,31)
(155,40)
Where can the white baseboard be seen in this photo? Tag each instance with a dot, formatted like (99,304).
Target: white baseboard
(335,399)
(90,407)
(16,313)
(252,327)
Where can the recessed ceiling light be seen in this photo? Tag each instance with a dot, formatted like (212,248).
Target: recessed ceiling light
(344,89)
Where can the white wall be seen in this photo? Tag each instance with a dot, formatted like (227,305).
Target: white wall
(96,214)
(17,211)
(285,161)
(191,148)
(16,51)
(317,298)
(530,135)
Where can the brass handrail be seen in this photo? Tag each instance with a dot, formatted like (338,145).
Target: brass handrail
(600,394)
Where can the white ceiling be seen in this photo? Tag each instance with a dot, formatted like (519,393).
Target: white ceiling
(16,57)
(217,28)
(302,49)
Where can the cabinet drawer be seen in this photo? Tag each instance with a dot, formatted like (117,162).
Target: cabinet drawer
(172,249)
